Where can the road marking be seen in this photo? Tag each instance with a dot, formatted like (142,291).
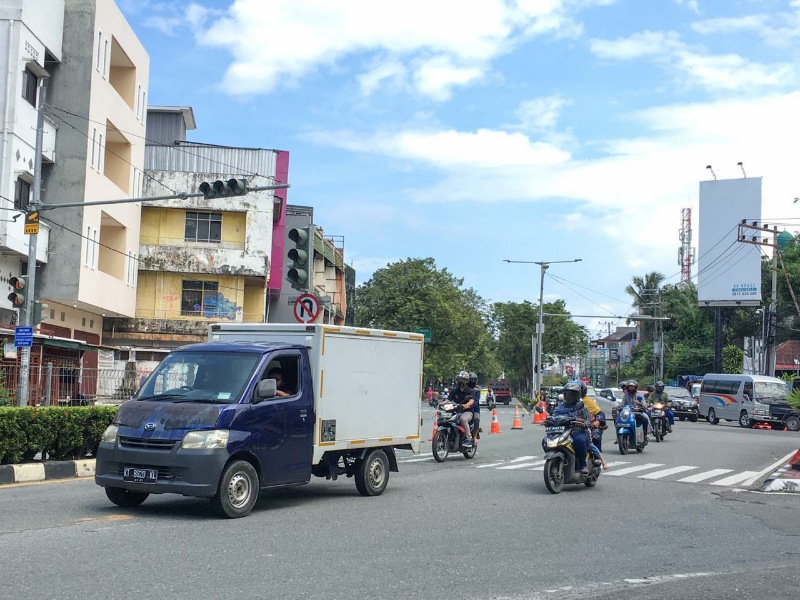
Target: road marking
(504,462)
(738,478)
(666,472)
(410,460)
(629,470)
(538,466)
(616,463)
(760,474)
(705,475)
(522,466)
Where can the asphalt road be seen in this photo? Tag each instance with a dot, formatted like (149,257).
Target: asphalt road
(656,526)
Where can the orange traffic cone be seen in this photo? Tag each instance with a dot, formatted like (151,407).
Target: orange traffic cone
(435,424)
(517,424)
(539,414)
(495,423)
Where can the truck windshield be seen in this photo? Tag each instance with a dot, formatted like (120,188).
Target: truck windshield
(769,391)
(200,377)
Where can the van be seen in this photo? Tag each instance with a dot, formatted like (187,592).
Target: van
(742,398)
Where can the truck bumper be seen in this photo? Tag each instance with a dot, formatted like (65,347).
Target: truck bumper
(186,472)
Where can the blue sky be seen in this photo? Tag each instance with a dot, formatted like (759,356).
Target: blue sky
(474,132)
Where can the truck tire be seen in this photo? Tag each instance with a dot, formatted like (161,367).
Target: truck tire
(507,402)
(745,421)
(372,473)
(792,422)
(237,492)
(125,498)
(712,417)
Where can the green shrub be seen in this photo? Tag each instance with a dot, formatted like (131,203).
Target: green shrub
(59,433)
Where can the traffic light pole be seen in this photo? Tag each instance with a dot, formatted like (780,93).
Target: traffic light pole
(33,205)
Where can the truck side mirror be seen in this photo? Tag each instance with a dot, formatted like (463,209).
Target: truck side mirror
(267,388)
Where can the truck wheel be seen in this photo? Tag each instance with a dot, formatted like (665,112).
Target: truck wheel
(125,498)
(372,473)
(745,421)
(712,417)
(793,422)
(776,426)
(237,492)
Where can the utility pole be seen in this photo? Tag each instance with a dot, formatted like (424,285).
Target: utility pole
(33,206)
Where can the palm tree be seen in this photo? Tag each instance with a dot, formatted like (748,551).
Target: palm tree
(645,294)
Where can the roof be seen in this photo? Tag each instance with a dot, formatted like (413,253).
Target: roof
(260,347)
(620,334)
(787,355)
(186,112)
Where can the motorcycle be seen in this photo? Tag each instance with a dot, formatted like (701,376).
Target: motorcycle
(491,400)
(432,402)
(559,467)
(551,405)
(449,436)
(630,433)
(659,421)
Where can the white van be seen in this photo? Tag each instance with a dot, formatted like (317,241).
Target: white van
(742,398)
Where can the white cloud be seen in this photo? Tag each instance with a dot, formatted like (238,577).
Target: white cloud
(638,45)
(731,24)
(288,39)
(389,70)
(541,114)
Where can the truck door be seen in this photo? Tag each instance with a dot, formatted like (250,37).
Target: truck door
(283,427)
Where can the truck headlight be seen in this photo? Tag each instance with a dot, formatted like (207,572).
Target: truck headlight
(205,440)
(110,434)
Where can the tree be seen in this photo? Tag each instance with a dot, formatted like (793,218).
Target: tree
(732,359)
(644,292)
(413,293)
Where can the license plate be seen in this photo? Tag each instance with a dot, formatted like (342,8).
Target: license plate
(656,413)
(554,429)
(140,475)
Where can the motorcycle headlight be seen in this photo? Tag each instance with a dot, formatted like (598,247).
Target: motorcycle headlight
(205,440)
(110,434)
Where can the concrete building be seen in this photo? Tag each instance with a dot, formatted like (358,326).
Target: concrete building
(200,260)
(98,96)
(31,42)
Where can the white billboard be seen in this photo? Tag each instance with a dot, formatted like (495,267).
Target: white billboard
(728,271)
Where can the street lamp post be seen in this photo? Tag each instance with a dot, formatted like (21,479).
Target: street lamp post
(537,369)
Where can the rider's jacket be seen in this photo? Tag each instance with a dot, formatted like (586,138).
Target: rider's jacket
(459,397)
(591,405)
(656,397)
(573,411)
(631,400)
(476,406)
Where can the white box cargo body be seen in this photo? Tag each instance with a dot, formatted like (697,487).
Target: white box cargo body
(367,382)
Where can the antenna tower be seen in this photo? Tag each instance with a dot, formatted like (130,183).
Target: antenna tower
(686,252)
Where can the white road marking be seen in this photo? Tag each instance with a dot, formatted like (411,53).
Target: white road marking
(522,466)
(666,472)
(410,460)
(760,474)
(629,470)
(505,462)
(705,475)
(738,478)
(616,463)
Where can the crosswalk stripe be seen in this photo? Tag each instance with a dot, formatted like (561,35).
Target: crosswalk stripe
(410,460)
(504,462)
(738,478)
(666,472)
(521,466)
(703,476)
(538,466)
(629,470)
(616,463)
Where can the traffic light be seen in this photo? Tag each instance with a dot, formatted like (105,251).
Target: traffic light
(300,254)
(17,296)
(40,313)
(220,189)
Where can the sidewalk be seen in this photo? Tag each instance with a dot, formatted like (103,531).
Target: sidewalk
(785,479)
(51,469)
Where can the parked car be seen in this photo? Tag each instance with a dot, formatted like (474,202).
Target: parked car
(610,394)
(683,405)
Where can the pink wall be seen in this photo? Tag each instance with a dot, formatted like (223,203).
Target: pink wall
(279,226)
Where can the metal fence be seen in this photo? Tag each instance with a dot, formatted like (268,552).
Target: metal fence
(63,384)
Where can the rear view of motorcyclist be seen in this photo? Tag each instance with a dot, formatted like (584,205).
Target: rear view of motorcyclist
(472,383)
(462,395)
(572,408)
(634,399)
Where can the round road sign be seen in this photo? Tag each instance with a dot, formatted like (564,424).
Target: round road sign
(306,308)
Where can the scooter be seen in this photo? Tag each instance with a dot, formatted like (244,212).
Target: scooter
(559,468)
(449,436)
(552,403)
(659,421)
(630,433)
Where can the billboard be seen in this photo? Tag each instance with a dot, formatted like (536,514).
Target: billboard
(728,271)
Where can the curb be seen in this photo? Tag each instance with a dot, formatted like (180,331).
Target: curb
(785,479)
(41,471)
(781,485)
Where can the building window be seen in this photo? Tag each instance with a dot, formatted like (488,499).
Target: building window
(203,227)
(91,323)
(197,296)
(83,321)
(22,194)
(94,145)
(29,84)
(52,313)
(99,64)
(63,316)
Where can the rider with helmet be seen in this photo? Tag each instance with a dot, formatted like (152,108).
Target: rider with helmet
(462,395)
(598,425)
(472,383)
(659,395)
(576,410)
(633,398)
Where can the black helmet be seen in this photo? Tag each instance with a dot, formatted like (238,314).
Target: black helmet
(584,389)
(631,383)
(473,379)
(659,386)
(571,392)
(651,388)
(462,377)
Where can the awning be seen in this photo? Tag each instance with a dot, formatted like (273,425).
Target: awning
(72,345)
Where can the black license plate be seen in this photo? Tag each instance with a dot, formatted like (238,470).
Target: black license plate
(554,429)
(140,475)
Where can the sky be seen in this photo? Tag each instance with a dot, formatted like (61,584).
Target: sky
(475,132)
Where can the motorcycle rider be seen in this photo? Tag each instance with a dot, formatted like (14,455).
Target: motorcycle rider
(598,425)
(462,395)
(476,405)
(659,395)
(634,399)
(577,411)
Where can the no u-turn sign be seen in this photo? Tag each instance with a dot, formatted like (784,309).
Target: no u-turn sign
(306,308)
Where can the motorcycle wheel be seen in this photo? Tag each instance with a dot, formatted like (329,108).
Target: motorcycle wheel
(440,446)
(591,482)
(622,442)
(470,452)
(657,432)
(554,475)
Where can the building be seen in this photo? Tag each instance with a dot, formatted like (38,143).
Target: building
(31,39)
(200,260)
